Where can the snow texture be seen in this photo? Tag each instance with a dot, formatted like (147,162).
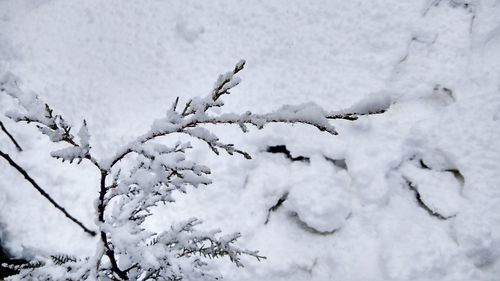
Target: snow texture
(434,66)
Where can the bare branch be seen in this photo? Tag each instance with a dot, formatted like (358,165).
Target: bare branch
(18,147)
(44,193)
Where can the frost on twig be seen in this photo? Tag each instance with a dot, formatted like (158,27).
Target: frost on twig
(196,112)
(127,250)
(159,171)
(47,123)
(78,152)
(53,267)
(34,110)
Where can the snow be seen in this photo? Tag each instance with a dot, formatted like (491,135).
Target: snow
(325,205)
(434,66)
(447,201)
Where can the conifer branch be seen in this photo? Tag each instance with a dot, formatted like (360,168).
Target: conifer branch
(127,250)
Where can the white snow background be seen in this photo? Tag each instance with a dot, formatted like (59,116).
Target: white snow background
(120,64)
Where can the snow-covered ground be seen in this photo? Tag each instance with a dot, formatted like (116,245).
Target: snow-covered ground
(411,194)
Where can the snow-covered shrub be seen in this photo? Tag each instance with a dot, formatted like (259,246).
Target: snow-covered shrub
(126,250)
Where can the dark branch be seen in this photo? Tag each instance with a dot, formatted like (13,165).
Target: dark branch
(10,137)
(43,193)
(284,150)
(100,209)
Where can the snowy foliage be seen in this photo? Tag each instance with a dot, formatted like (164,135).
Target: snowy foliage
(50,124)
(127,250)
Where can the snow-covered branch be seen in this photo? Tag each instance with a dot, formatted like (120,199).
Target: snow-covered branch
(127,249)
(49,123)
(195,114)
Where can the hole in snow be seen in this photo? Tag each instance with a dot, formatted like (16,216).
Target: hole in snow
(455,172)
(276,206)
(421,203)
(302,224)
(284,150)
(339,163)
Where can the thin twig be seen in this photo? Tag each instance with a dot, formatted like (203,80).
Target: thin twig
(43,193)
(10,137)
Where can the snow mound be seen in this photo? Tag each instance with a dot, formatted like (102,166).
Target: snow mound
(321,201)
(440,191)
